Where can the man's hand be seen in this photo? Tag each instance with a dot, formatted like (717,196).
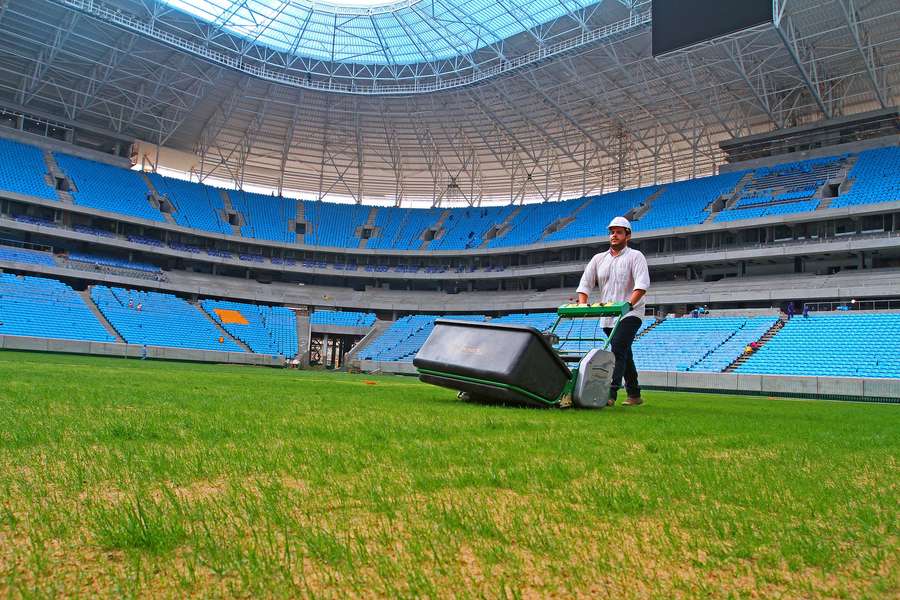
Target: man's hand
(627,308)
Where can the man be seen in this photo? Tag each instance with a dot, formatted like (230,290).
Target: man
(621,275)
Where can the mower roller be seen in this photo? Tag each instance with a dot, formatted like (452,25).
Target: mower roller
(497,363)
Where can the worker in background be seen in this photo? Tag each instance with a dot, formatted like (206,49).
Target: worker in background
(621,275)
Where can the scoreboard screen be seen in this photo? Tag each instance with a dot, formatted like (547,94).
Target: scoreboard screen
(681,23)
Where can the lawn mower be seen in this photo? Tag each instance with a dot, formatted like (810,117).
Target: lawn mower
(499,363)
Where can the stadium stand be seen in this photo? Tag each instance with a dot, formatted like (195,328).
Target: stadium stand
(108,188)
(873,178)
(688,344)
(265,329)
(335,224)
(755,212)
(346,318)
(196,205)
(405,336)
(163,320)
(23,170)
(35,221)
(265,217)
(529,224)
(22,255)
(835,345)
(787,188)
(599,211)
(402,228)
(686,203)
(46,308)
(466,227)
(113,262)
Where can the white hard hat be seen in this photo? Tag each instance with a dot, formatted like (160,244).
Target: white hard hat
(620,222)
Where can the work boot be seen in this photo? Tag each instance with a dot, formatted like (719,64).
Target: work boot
(633,401)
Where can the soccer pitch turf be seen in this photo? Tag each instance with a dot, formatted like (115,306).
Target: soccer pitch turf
(151,479)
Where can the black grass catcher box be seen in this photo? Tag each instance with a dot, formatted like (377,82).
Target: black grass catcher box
(496,363)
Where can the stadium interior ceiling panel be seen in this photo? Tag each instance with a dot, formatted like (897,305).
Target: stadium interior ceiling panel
(553,104)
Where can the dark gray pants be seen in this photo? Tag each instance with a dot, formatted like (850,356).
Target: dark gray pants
(620,345)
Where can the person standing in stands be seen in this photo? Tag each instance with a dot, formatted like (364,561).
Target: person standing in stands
(790,310)
(621,275)
(805,311)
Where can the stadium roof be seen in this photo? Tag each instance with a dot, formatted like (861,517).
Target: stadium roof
(574,105)
(394,33)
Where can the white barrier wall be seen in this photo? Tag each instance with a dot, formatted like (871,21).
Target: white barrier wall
(14,342)
(848,387)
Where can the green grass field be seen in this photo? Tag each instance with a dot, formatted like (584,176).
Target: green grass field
(123,478)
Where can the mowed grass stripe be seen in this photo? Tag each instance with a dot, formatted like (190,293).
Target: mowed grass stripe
(126,478)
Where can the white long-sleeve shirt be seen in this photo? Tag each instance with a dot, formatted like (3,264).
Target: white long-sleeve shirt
(617,277)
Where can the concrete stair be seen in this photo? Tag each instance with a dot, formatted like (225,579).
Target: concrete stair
(377,329)
(768,335)
(643,209)
(503,227)
(154,197)
(437,227)
(644,332)
(845,185)
(304,332)
(370,223)
(86,296)
(229,208)
(560,223)
(731,199)
(222,331)
(300,218)
(54,173)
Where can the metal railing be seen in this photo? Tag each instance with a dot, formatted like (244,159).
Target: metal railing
(115,16)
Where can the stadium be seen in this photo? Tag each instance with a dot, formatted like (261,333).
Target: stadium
(228,228)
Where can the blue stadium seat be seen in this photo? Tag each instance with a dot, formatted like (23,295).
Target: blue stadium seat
(402,228)
(835,345)
(401,341)
(269,329)
(343,318)
(686,203)
(707,344)
(265,217)
(46,308)
(334,225)
(108,188)
(23,170)
(21,255)
(163,320)
(196,205)
(874,178)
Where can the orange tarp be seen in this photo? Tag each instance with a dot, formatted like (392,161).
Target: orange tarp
(231,317)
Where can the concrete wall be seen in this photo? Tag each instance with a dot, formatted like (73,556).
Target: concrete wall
(14,342)
(732,383)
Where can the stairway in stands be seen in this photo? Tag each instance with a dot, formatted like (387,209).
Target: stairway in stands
(369,224)
(845,184)
(768,335)
(86,296)
(54,173)
(502,227)
(154,197)
(561,223)
(438,227)
(221,329)
(731,199)
(377,329)
(644,332)
(300,218)
(229,208)
(303,333)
